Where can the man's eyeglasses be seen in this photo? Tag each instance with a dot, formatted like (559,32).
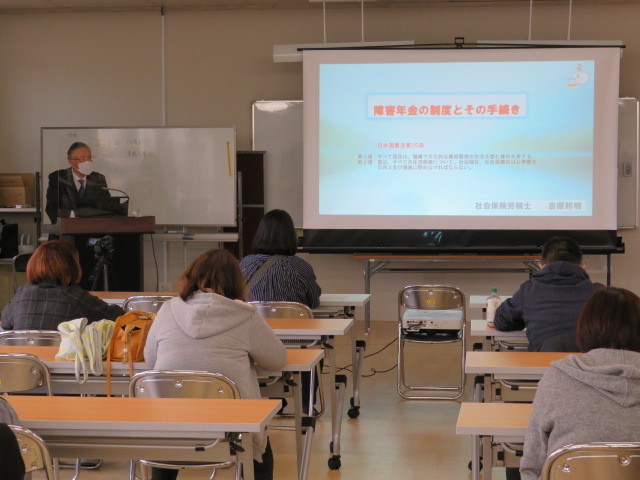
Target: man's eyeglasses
(83,159)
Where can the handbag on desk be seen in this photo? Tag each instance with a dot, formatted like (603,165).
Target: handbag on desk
(128,340)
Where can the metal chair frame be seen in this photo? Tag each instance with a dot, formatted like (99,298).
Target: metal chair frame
(595,461)
(49,338)
(184,384)
(19,265)
(20,372)
(295,310)
(146,303)
(35,453)
(432,298)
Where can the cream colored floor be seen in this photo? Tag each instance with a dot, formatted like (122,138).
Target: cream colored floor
(392,439)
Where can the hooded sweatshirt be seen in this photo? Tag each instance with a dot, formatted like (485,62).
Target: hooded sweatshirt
(593,397)
(212,333)
(547,304)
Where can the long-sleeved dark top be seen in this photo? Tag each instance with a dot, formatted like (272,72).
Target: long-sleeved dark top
(44,306)
(547,304)
(290,279)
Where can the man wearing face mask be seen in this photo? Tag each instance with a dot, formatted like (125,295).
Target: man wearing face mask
(68,187)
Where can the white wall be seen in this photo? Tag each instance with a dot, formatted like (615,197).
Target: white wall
(104,69)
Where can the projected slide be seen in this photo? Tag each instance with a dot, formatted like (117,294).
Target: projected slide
(501,138)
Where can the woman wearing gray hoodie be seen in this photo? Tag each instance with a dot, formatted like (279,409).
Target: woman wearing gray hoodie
(209,327)
(594,397)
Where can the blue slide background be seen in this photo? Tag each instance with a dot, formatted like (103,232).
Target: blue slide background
(556,133)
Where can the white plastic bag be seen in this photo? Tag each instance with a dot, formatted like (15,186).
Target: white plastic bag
(85,345)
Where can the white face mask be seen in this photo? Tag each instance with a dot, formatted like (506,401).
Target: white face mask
(85,168)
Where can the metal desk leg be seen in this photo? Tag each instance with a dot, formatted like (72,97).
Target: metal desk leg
(476,448)
(336,399)
(297,414)
(357,356)
(367,289)
(246,457)
(309,426)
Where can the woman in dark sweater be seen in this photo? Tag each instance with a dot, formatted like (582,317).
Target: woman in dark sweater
(53,294)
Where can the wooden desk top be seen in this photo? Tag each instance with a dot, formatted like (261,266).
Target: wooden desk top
(505,419)
(479,328)
(308,326)
(298,360)
(138,415)
(326,299)
(511,363)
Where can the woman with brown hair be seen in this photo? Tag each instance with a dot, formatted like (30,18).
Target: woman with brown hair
(53,294)
(593,397)
(209,327)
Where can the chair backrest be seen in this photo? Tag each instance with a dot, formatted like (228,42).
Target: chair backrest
(34,451)
(182,384)
(431,297)
(45,338)
(283,310)
(20,372)
(595,461)
(146,303)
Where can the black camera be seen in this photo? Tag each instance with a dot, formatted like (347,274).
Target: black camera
(102,247)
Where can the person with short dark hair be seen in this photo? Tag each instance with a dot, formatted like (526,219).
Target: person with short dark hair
(273,271)
(53,294)
(594,397)
(68,186)
(548,304)
(209,327)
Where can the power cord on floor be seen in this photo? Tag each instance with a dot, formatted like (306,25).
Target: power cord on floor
(373,370)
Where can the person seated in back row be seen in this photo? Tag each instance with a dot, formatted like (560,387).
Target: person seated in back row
(273,272)
(548,304)
(53,294)
(594,397)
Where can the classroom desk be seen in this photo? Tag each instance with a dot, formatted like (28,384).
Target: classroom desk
(332,305)
(502,371)
(495,340)
(491,425)
(143,428)
(374,264)
(64,381)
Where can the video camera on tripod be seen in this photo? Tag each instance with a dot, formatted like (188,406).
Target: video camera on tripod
(103,252)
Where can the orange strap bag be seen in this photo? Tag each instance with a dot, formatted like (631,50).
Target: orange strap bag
(128,340)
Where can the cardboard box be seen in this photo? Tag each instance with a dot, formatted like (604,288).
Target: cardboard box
(25,189)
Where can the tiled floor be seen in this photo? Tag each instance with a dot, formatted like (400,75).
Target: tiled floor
(392,438)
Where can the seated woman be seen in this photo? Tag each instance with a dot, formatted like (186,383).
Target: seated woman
(210,327)
(53,294)
(272,271)
(594,397)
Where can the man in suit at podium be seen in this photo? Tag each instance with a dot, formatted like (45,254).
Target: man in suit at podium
(68,187)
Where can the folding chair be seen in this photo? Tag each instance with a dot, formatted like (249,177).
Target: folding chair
(430,315)
(19,265)
(595,461)
(20,372)
(34,451)
(146,303)
(45,338)
(295,310)
(185,384)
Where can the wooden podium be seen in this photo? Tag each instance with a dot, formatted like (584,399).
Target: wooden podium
(127,265)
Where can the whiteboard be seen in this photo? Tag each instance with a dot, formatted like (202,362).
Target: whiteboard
(182,176)
(628,163)
(277,129)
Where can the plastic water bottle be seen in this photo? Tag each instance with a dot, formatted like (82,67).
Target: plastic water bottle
(493,302)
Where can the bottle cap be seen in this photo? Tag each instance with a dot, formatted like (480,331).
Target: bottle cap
(494,290)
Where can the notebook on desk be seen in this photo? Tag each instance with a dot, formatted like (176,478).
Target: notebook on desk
(102,207)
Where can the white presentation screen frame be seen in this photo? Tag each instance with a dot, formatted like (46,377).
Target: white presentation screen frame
(349,197)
